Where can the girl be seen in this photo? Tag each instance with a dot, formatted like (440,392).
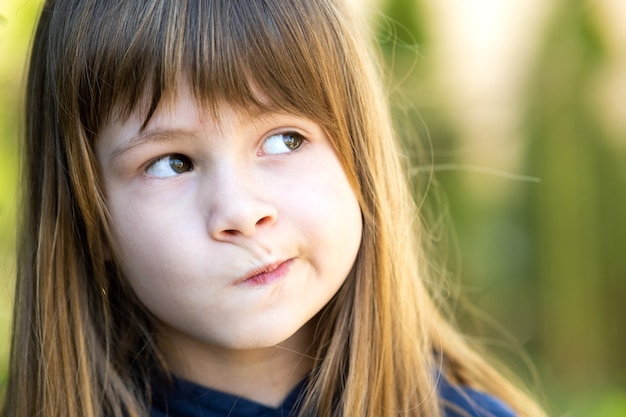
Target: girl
(217,223)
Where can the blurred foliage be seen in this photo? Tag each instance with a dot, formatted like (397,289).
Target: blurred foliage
(543,259)
(577,216)
(16,23)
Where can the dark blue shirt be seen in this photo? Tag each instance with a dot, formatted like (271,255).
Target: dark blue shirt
(186,399)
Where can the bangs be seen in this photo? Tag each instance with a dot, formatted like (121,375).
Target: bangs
(255,55)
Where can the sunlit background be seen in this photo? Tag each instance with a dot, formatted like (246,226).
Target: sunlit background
(519,107)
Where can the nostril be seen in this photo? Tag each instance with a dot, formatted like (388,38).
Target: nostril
(240,218)
(265,221)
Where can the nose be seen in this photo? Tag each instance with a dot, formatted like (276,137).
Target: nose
(239,206)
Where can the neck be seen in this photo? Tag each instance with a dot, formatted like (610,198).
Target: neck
(264,375)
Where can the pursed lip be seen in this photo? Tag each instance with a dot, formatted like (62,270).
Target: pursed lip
(266,274)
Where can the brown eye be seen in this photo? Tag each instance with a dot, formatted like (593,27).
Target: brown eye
(292,141)
(180,163)
(280,143)
(169,166)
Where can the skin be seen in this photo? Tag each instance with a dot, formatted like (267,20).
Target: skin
(234,232)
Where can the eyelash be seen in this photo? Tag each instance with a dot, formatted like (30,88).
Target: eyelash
(186,165)
(293,135)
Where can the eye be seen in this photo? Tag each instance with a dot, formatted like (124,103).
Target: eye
(283,142)
(169,166)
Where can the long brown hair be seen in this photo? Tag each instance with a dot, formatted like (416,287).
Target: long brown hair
(82,342)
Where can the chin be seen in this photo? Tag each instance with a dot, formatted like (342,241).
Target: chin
(277,335)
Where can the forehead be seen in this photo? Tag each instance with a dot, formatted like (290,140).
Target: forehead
(181,106)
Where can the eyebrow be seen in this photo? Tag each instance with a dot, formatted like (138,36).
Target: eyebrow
(151,135)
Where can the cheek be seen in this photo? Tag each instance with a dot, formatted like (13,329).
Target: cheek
(140,239)
(339,225)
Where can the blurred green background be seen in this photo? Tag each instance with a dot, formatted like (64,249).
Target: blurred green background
(521,107)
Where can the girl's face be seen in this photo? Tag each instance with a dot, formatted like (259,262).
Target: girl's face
(235,231)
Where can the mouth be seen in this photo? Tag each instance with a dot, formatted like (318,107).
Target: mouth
(267,274)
